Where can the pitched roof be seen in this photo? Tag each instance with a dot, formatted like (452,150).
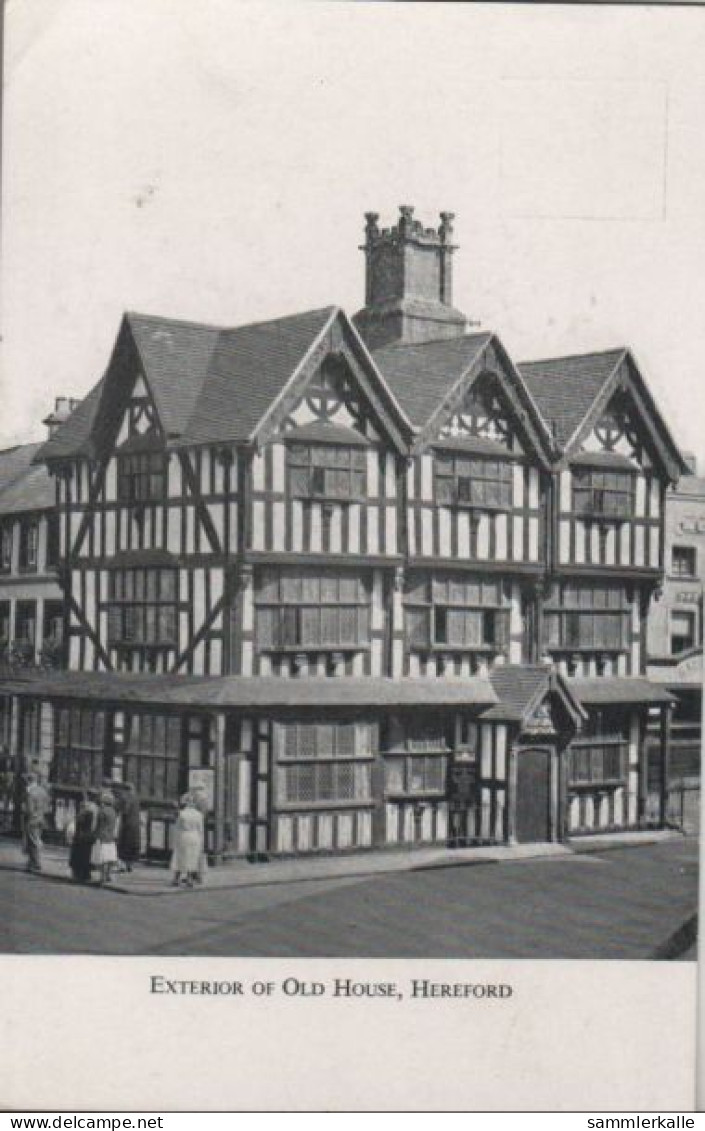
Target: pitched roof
(24,486)
(15,461)
(249,367)
(420,375)
(517,686)
(618,690)
(564,388)
(175,357)
(254,691)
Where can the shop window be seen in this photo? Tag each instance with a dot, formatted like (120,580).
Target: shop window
(453,613)
(300,609)
(587,618)
(29,728)
(149,751)
(479,483)
(79,747)
(599,755)
(603,494)
(684,561)
(29,542)
(683,631)
(415,756)
(5,546)
(329,472)
(142,609)
(324,763)
(26,622)
(141,477)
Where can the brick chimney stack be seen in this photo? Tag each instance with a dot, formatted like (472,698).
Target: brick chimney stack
(63,407)
(408,281)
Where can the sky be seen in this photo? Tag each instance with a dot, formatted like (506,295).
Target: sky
(213,162)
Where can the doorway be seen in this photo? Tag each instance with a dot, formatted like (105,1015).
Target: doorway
(533,800)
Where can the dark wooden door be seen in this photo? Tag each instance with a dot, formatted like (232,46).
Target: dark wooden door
(533,808)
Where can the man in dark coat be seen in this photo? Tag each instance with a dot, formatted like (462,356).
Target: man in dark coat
(128,846)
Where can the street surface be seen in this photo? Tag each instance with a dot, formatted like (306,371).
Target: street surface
(621,904)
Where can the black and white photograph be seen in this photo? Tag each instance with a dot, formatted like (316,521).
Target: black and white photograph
(352,523)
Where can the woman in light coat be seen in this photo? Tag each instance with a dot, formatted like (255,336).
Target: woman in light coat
(188,843)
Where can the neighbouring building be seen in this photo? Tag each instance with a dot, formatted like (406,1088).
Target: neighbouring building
(368,581)
(675,631)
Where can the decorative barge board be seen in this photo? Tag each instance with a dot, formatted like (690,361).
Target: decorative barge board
(606,782)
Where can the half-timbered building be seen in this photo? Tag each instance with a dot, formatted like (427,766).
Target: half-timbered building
(368,581)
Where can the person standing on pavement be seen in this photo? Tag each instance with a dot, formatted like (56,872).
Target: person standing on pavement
(83,839)
(36,805)
(128,842)
(188,843)
(104,853)
(200,801)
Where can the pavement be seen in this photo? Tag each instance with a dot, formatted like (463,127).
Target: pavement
(155,879)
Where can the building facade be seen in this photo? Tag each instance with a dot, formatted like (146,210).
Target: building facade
(368,581)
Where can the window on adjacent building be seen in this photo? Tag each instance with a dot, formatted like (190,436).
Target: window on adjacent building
(29,727)
(683,630)
(587,617)
(319,471)
(684,561)
(26,622)
(301,609)
(53,628)
(603,494)
(79,746)
(324,763)
(455,613)
(143,607)
(5,546)
(4,623)
(29,542)
(141,477)
(481,483)
(52,541)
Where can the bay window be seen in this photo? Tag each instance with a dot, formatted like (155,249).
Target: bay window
(454,613)
(587,617)
(484,484)
(327,471)
(603,494)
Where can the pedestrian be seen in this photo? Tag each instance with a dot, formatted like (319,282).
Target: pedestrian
(36,805)
(104,853)
(188,843)
(128,842)
(200,801)
(83,839)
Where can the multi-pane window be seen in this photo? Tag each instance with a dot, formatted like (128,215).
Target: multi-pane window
(683,630)
(150,754)
(327,471)
(485,484)
(141,477)
(684,561)
(53,628)
(5,546)
(29,543)
(143,607)
(301,609)
(589,617)
(324,763)
(603,494)
(453,612)
(599,755)
(415,758)
(79,746)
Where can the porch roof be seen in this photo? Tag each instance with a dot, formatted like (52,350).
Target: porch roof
(615,690)
(251,692)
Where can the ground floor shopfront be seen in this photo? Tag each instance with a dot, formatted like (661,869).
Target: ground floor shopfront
(325,765)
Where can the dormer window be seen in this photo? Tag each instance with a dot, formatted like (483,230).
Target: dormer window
(327,472)
(482,484)
(605,495)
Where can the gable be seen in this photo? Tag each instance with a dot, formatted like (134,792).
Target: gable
(140,424)
(484,414)
(489,404)
(624,421)
(336,388)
